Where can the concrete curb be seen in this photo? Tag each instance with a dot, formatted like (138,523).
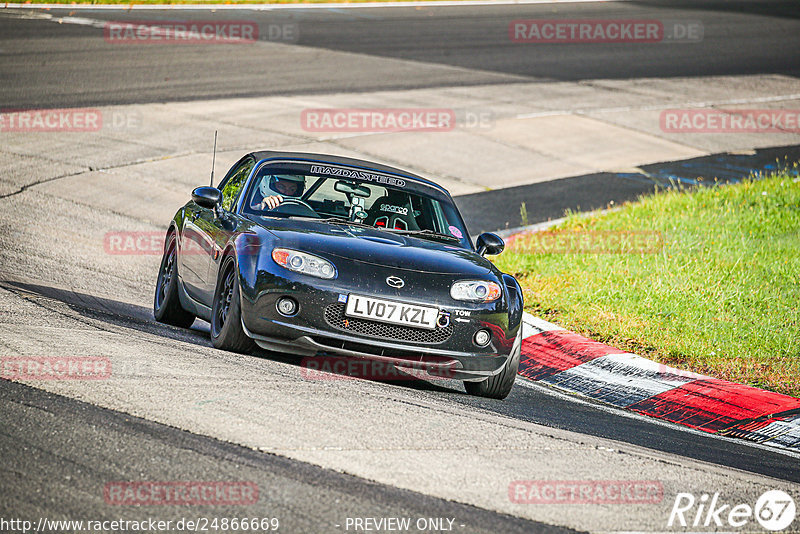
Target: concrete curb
(578,365)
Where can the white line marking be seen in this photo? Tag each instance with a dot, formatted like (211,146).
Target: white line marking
(621,379)
(555,392)
(533,325)
(271,7)
(779,433)
(102,24)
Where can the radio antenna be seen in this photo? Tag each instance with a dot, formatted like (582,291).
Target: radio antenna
(214,158)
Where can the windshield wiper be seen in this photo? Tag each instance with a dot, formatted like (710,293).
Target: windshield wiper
(345,221)
(423,233)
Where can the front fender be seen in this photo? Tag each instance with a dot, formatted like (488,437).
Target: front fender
(174,226)
(250,249)
(515,302)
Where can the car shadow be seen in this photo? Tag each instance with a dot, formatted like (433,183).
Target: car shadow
(140,319)
(107,310)
(332,367)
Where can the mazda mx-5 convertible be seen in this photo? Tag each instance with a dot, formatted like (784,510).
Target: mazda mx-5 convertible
(321,255)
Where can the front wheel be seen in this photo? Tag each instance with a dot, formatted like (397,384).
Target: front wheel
(226,313)
(166,304)
(499,385)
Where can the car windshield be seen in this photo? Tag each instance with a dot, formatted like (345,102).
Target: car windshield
(380,206)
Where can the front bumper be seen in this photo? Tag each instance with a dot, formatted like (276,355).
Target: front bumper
(437,362)
(320,328)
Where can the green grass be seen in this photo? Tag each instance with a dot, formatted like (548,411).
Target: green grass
(721,297)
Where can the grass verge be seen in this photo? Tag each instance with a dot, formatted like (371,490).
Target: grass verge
(706,280)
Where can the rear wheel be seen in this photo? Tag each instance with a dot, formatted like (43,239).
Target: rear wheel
(166,304)
(226,314)
(499,385)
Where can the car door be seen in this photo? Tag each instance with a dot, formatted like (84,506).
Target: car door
(219,229)
(197,244)
(195,248)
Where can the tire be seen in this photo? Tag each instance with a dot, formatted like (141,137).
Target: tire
(166,304)
(499,385)
(226,312)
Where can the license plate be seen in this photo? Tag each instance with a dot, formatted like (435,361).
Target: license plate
(387,311)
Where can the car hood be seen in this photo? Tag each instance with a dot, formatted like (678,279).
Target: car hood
(380,248)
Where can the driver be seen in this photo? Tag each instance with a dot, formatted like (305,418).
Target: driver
(285,185)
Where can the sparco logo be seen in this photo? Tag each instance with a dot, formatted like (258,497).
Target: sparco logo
(394,209)
(774,510)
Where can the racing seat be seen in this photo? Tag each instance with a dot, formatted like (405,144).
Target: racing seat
(393,210)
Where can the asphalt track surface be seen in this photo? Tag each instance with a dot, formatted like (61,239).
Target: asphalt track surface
(66,450)
(74,66)
(536,404)
(49,65)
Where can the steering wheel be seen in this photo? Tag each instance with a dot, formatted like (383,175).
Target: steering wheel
(296,201)
(294,206)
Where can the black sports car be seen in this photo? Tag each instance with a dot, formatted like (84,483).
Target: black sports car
(322,255)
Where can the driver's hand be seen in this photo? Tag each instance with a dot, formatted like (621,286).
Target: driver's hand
(271,202)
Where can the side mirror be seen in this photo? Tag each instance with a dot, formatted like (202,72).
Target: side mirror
(490,244)
(207,197)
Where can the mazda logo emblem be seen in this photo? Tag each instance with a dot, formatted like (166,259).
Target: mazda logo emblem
(395,281)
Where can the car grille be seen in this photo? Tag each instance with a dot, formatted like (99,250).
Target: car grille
(334,315)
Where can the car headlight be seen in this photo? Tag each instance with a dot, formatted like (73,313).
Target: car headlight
(300,262)
(475,291)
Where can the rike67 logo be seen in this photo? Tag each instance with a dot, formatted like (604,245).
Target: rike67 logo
(775,511)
